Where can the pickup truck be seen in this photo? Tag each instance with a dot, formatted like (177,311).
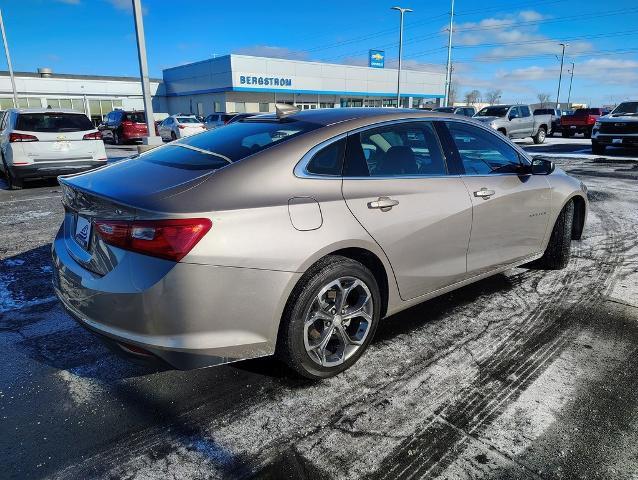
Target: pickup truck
(516,121)
(582,121)
(555,113)
(618,129)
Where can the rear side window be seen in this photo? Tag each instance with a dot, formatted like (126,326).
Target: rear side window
(401,149)
(135,117)
(328,160)
(187,120)
(241,139)
(53,122)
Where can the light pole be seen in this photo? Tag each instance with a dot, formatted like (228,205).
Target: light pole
(560,75)
(402,11)
(571,79)
(6,51)
(151,139)
(448,74)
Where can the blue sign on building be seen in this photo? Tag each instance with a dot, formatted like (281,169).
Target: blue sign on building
(376,59)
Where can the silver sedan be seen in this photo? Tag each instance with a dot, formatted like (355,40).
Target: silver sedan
(295,233)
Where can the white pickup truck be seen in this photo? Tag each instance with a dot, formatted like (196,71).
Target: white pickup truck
(516,121)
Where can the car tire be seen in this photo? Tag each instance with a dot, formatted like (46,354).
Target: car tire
(597,148)
(300,339)
(558,251)
(12,182)
(540,136)
(173,137)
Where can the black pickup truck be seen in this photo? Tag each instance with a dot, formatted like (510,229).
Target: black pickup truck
(617,129)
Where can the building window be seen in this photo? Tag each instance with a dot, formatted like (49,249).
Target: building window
(52,102)
(6,103)
(264,107)
(327,105)
(78,104)
(29,102)
(240,107)
(117,104)
(217,106)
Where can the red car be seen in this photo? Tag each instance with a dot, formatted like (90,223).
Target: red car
(121,126)
(582,121)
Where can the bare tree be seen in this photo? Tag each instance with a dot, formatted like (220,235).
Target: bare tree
(472,97)
(493,96)
(453,93)
(543,98)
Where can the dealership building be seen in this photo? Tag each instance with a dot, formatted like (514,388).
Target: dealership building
(230,83)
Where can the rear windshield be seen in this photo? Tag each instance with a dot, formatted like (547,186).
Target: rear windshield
(245,137)
(135,117)
(493,112)
(586,111)
(187,120)
(53,122)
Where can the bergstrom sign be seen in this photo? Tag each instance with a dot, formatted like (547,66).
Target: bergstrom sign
(265,81)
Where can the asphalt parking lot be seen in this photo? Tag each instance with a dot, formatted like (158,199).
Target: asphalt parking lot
(528,374)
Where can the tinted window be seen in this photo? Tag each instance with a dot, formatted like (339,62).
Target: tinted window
(53,122)
(184,158)
(493,112)
(445,109)
(543,111)
(626,107)
(243,138)
(483,152)
(135,117)
(328,160)
(403,149)
(524,111)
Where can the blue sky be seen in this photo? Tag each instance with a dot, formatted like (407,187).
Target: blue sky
(506,45)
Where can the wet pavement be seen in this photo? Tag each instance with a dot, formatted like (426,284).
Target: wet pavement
(528,374)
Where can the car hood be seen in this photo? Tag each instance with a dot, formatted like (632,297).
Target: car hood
(486,119)
(138,183)
(619,118)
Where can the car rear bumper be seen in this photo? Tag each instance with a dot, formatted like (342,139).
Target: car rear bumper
(188,315)
(53,169)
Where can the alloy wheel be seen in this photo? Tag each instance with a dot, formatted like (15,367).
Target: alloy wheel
(338,321)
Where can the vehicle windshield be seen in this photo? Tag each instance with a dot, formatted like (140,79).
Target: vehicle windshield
(53,122)
(135,117)
(445,109)
(630,108)
(493,112)
(228,144)
(187,120)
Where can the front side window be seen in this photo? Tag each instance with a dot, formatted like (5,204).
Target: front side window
(328,160)
(483,152)
(401,149)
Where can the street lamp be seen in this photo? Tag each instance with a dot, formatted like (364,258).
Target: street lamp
(402,11)
(6,52)
(560,75)
(571,79)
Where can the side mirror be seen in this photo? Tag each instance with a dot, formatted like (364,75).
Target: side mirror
(541,166)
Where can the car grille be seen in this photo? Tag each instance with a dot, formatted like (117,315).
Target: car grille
(618,127)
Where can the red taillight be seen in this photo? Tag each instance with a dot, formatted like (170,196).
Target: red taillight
(170,239)
(127,123)
(92,136)
(181,127)
(22,137)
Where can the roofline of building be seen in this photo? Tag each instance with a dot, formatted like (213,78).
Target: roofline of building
(5,73)
(221,57)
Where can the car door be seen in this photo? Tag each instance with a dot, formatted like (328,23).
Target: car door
(510,206)
(514,127)
(397,184)
(527,121)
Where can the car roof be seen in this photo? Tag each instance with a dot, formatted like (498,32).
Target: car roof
(331,116)
(44,110)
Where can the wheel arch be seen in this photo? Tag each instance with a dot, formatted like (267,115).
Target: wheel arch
(580,213)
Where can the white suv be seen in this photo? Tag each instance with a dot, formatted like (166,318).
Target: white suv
(41,143)
(179,126)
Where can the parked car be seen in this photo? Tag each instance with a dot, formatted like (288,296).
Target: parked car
(215,120)
(582,121)
(122,126)
(465,111)
(617,129)
(294,234)
(241,116)
(516,121)
(555,113)
(41,143)
(179,126)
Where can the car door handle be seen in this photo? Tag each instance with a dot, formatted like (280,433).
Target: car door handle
(383,203)
(484,193)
